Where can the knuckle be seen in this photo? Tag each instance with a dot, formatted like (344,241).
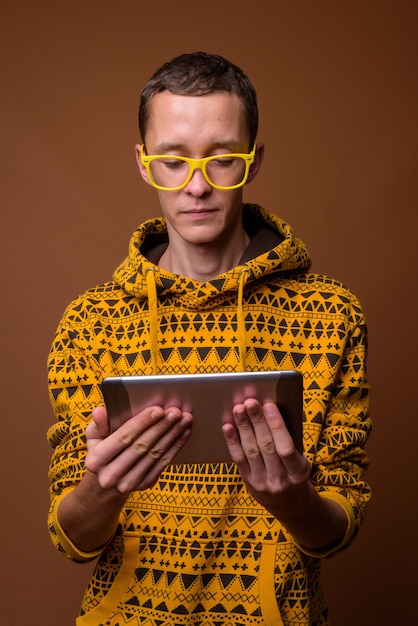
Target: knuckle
(163,426)
(238,456)
(156,453)
(93,461)
(252,453)
(107,481)
(256,416)
(232,439)
(126,438)
(123,487)
(288,454)
(139,447)
(268,447)
(245,425)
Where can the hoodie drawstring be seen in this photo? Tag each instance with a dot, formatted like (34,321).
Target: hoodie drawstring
(153,318)
(242,344)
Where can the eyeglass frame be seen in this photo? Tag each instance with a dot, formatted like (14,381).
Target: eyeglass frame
(197,164)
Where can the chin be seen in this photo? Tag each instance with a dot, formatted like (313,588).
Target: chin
(201,236)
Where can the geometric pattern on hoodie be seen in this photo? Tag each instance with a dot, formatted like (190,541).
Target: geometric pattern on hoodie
(196,549)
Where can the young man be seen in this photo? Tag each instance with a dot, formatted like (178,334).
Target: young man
(215,285)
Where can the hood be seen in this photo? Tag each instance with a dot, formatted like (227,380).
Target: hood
(273,248)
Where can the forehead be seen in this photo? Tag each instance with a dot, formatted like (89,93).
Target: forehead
(179,119)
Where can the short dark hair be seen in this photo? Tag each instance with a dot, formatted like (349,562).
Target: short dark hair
(199,74)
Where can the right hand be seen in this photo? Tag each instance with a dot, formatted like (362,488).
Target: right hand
(133,457)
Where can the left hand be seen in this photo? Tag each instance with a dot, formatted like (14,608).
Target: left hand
(275,473)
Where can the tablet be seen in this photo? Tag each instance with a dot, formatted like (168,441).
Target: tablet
(210,397)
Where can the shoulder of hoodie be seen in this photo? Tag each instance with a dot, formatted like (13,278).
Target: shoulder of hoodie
(320,287)
(313,284)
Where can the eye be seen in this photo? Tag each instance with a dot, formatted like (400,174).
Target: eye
(171,163)
(224,161)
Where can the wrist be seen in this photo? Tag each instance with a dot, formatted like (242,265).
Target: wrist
(89,514)
(314,522)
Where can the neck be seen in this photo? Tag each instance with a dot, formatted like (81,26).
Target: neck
(203,262)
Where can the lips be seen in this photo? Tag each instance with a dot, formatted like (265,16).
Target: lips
(199,211)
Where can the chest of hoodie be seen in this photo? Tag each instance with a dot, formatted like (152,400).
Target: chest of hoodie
(287,323)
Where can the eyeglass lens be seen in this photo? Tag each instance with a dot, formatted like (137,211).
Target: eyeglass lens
(224,172)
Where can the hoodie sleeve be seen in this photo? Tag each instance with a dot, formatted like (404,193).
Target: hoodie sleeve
(340,461)
(74,389)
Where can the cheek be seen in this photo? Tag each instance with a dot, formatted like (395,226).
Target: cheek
(168,201)
(234,202)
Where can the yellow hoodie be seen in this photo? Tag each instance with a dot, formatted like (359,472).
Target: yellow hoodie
(196,549)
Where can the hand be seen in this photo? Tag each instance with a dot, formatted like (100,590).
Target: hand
(275,473)
(135,454)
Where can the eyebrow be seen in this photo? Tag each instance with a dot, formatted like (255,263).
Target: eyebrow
(166,147)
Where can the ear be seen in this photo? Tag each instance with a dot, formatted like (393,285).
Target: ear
(258,159)
(141,167)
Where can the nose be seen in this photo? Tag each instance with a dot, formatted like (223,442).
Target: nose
(198,185)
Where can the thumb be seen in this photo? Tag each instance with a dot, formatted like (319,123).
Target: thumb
(99,415)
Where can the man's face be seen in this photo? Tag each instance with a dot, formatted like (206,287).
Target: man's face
(197,127)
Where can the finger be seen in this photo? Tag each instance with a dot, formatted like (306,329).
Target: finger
(115,443)
(283,442)
(146,468)
(233,442)
(99,415)
(155,441)
(135,460)
(92,432)
(255,436)
(145,473)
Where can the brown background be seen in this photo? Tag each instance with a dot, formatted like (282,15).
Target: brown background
(337,84)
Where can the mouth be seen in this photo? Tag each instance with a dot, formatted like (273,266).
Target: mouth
(199,211)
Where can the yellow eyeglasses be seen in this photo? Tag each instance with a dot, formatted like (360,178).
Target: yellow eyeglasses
(222,171)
